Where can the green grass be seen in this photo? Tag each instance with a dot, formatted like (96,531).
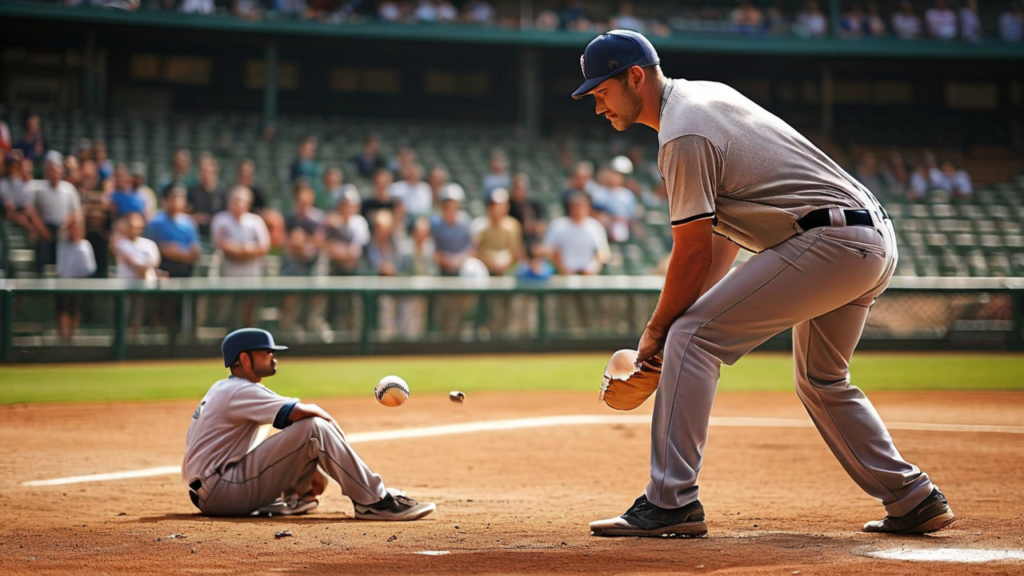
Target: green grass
(324,378)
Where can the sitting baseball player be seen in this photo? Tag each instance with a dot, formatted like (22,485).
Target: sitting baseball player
(226,477)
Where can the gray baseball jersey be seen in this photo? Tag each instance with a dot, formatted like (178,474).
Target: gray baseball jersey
(226,422)
(230,475)
(723,156)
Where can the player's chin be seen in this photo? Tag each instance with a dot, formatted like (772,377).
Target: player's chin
(619,124)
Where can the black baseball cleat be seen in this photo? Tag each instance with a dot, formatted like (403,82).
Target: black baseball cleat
(646,519)
(396,506)
(932,514)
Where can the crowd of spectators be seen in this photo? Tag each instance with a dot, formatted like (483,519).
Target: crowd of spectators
(940,20)
(914,178)
(87,215)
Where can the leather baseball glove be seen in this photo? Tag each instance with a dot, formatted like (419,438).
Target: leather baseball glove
(627,383)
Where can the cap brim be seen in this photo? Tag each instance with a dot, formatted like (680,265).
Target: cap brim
(278,347)
(588,86)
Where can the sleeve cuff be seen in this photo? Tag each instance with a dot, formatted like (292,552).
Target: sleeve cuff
(281,420)
(696,217)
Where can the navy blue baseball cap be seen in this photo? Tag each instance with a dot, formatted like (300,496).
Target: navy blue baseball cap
(611,53)
(246,339)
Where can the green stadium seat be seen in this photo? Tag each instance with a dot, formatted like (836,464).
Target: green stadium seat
(937,240)
(965,239)
(992,241)
(1014,241)
(951,225)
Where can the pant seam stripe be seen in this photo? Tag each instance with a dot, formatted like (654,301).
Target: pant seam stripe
(817,393)
(672,409)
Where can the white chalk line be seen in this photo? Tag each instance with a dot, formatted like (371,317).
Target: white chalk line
(959,555)
(541,422)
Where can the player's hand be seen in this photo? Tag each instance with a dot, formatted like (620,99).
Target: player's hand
(648,347)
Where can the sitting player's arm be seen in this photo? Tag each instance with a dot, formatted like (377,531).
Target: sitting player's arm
(300,411)
(691,165)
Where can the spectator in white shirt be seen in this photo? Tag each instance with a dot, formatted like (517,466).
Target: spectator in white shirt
(941,21)
(56,203)
(446,11)
(75,259)
(413,191)
(970,23)
(241,235)
(1011,23)
(906,23)
(577,242)
(137,256)
(244,240)
(616,203)
(197,7)
(811,22)
(389,11)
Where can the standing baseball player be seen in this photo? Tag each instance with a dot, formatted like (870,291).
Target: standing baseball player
(739,177)
(227,476)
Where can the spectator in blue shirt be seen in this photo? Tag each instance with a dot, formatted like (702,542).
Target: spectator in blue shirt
(175,234)
(537,267)
(452,240)
(126,199)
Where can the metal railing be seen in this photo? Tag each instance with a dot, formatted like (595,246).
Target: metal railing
(82,320)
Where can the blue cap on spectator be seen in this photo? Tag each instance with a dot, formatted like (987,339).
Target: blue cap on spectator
(611,53)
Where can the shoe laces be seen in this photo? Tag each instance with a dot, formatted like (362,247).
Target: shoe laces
(405,500)
(642,504)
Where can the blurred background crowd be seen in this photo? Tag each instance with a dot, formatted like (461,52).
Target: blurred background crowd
(937,19)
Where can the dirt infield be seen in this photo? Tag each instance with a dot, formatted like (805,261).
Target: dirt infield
(515,501)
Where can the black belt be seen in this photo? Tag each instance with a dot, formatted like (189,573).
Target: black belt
(821,217)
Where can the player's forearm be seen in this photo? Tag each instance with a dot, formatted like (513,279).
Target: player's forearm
(684,283)
(725,252)
(301,411)
(688,268)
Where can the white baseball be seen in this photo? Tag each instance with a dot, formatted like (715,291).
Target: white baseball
(391,391)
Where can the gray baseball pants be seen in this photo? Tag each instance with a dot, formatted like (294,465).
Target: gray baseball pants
(285,463)
(822,283)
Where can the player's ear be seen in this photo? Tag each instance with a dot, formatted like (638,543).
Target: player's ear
(637,76)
